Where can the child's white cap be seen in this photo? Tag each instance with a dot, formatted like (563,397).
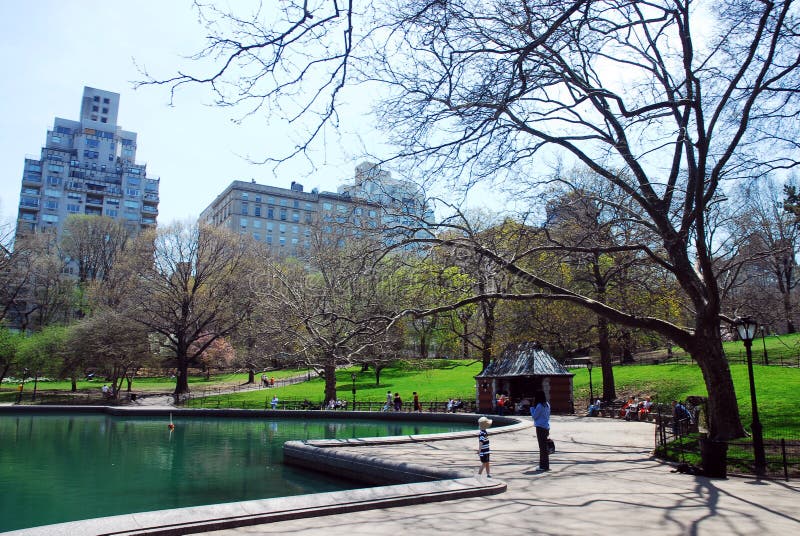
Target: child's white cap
(484,422)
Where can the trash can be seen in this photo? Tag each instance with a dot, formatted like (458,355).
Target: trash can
(714,456)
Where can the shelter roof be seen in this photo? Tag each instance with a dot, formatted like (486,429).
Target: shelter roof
(524,359)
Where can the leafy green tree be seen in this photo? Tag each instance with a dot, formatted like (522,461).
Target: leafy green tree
(42,353)
(9,344)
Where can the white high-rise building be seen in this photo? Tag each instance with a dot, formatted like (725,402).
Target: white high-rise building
(405,211)
(87,167)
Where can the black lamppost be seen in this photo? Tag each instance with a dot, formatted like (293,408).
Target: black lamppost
(21,387)
(591,391)
(353,376)
(747,332)
(764,342)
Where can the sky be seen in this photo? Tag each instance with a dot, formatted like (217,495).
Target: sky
(50,50)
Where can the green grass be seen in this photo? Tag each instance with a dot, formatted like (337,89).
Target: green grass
(434,380)
(144,384)
(776,390)
(783,349)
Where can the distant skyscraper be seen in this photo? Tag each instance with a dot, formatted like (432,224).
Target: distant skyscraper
(87,167)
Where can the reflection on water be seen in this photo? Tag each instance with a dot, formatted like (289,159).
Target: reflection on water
(56,468)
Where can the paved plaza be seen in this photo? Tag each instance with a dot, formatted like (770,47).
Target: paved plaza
(603,480)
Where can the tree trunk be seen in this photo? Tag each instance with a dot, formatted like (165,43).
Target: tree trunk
(487,340)
(251,375)
(74,384)
(330,379)
(787,312)
(182,378)
(723,410)
(606,367)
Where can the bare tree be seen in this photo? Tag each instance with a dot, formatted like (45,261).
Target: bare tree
(327,311)
(93,243)
(190,289)
(767,282)
(630,89)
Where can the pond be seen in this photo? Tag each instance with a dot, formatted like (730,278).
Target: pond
(66,467)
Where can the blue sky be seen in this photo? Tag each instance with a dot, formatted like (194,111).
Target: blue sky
(51,49)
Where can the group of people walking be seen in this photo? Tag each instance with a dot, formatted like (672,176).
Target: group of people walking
(395,403)
(540,412)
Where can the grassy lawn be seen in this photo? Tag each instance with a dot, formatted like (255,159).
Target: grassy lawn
(8,392)
(776,389)
(780,349)
(434,380)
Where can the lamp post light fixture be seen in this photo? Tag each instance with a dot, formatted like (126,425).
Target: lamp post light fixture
(746,327)
(353,376)
(591,391)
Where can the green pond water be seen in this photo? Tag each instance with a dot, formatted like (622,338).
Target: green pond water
(62,467)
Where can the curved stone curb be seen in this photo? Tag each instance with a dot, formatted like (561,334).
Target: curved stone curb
(245,513)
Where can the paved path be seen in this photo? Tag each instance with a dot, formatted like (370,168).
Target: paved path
(603,481)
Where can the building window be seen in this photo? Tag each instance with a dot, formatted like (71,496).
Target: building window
(295,217)
(295,229)
(282,228)
(95,108)
(132,192)
(104,120)
(112,212)
(284,203)
(105,100)
(96,98)
(256,236)
(309,206)
(282,240)
(52,193)
(294,241)
(105,110)
(296,204)
(132,204)
(372,214)
(270,213)
(56,168)
(243,222)
(269,239)
(257,224)
(269,226)
(245,195)
(283,214)
(74,209)
(326,206)
(244,208)
(49,218)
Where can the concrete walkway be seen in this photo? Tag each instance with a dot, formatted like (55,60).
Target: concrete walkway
(602,481)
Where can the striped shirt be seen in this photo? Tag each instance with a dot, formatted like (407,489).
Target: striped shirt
(483,441)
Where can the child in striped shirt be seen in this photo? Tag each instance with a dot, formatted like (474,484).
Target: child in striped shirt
(483,445)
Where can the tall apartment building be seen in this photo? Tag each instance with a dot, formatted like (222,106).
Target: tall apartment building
(405,211)
(286,218)
(87,167)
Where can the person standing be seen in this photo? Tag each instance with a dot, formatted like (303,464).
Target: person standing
(417,406)
(540,411)
(483,445)
(398,402)
(274,402)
